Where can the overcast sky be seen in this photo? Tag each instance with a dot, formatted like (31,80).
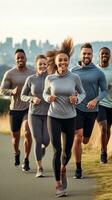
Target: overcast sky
(84,20)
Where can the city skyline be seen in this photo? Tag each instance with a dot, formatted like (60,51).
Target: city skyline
(84,20)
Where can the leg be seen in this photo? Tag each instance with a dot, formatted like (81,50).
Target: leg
(15,123)
(68,137)
(45,135)
(36,127)
(77,148)
(27,139)
(15,141)
(54,128)
(103,124)
(103,129)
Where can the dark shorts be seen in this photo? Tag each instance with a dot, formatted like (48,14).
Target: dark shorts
(105,114)
(16,119)
(85,121)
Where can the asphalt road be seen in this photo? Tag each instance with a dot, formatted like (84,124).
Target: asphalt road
(18,185)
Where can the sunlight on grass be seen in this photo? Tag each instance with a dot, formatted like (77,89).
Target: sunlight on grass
(92,166)
(4,124)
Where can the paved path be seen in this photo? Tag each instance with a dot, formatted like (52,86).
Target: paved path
(18,185)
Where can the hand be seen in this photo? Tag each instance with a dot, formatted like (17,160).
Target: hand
(14,91)
(52,98)
(73,99)
(91,104)
(36,100)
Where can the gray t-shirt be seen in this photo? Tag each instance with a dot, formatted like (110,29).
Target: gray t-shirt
(14,78)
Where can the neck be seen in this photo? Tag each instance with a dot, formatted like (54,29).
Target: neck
(63,73)
(22,69)
(104,64)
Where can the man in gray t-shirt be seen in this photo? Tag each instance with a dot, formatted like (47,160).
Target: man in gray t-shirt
(11,85)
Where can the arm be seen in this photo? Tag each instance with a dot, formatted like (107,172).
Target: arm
(103,93)
(26,90)
(80,93)
(80,90)
(6,85)
(47,92)
(103,88)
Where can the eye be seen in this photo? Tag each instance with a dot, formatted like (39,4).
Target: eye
(60,59)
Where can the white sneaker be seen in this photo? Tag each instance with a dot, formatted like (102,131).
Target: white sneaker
(40,173)
(60,192)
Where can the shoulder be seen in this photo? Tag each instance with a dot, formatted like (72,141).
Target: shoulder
(10,72)
(30,70)
(51,77)
(73,70)
(75,76)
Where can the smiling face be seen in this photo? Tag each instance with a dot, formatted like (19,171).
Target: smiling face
(62,62)
(20,59)
(86,56)
(41,66)
(104,56)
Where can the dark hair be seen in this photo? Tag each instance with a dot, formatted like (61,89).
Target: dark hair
(87,45)
(20,50)
(105,48)
(51,53)
(40,56)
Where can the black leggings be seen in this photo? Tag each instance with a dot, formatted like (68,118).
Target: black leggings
(55,128)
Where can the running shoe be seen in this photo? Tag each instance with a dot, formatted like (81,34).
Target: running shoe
(103,158)
(40,173)
(25,165)
(60,192)
(17,159)
(78,173)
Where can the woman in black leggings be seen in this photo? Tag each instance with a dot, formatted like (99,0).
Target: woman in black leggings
(60,91)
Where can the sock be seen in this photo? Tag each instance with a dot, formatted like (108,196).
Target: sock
(78,165)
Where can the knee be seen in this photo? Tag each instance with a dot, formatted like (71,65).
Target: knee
(78,138)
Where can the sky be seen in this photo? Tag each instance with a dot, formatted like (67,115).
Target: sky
(84,20)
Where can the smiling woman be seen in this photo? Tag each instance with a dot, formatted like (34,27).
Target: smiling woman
(60,92)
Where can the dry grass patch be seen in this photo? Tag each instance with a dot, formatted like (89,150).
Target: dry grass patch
(92,166)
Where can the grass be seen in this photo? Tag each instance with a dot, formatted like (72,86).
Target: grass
(90,161)
(92,166)
(4,125)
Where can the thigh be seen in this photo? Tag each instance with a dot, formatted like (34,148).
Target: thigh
(79,119)
(44,128)
(69,131)
(54,129)
(35,124)
(89,123)
(109,116)
(16,118)
(102,114)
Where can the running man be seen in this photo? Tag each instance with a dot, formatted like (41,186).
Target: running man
(104,117)
(11,85)
(92,79)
